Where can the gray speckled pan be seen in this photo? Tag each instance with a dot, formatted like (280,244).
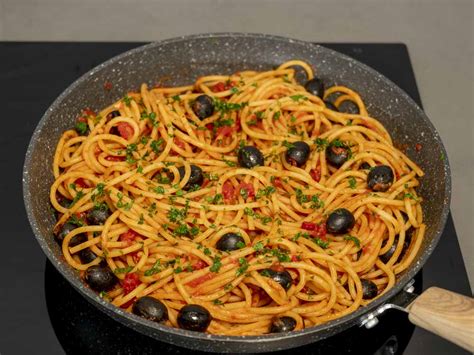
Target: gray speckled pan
(184,59)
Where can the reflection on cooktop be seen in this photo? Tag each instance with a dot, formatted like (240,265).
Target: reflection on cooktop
(83,329)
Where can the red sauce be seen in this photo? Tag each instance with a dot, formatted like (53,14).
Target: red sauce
(277,182)
(201,279)
(228,191)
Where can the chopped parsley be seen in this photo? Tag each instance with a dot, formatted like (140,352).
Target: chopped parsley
(288,145)
(353,239)
(129,153)
(244,265)
(234,90)
(321,144)
(258,246)
(156,144)
(123,270)
(127,99)
(229,163)
(410,196)
(216,264)
(352,182)
(276,116)
(176,98)
(298,98)
(81,127)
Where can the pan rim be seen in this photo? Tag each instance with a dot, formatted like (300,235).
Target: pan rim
(108,308)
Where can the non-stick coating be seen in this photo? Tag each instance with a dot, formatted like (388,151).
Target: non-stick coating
(182,60)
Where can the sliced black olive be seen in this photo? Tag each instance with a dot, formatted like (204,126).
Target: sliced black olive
(194,317)
(406,244)
(87,256)
(331,106)
(315,87)
(386,257)
(369,289)
(249,157)
(100,278)
(98,216)
(340,221)
(230,241)
(364,166)
(203,106)
(380,178)
(151,309)
(113,114)
(337,153)
(282,324)
(298,154)
(282,277)
(196,177)
(65,230)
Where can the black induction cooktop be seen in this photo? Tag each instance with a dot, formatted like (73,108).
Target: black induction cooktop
(40,313)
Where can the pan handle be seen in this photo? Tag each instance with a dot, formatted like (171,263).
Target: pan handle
(445,313)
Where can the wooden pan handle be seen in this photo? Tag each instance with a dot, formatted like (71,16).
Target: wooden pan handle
(447,314)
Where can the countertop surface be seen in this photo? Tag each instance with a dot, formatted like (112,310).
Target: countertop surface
(438,33)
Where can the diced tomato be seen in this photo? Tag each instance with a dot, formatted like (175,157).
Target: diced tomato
(210,126)
(220,86)
(125,130)
(82,119)
(201,279)
(366,249)
(418,147)
(114,158)
(224,131)
(248,188)
(294,258)
(130,282)
(200,264)
(316,174)
(81,183)
(88,112)
(108,85)
(308,226)
(228,191)
(320,230)
(277,182)
(129,236)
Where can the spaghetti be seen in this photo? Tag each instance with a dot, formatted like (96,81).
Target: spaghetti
(156,188)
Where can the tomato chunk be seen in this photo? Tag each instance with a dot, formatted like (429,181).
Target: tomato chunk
(201,279)
(129,236)
(316,174)
(125,130)
(228,191)
(308,226)
(130,282)
(277,182)
(248,190)
(225,131)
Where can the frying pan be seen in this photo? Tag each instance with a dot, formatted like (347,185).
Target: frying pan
(180,61)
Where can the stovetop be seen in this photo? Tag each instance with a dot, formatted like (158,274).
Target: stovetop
(41,313)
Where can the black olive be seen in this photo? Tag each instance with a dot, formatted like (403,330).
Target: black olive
(364,166)
(194,317)
(380,178)
(331,106)
(87,256)
(369,289)
(151,309)
(203,106)
(65,230)
(249,157)
(340,221)
(298,154)
(315,87)
(100,278)
(196,177)
(282,324)
(386,257)
(113,114)
(337,153)
(282,277)
(98,216)
(230,241)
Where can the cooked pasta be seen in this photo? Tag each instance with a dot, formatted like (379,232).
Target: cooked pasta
(249,195)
